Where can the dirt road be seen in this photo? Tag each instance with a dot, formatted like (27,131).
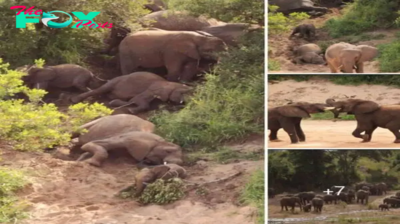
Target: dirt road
(328,134)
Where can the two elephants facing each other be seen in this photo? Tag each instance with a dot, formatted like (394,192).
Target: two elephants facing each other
(125,132)
(347,57)
(370,115)
(289,118)
(139,88)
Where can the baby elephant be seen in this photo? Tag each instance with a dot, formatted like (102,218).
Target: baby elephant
(150,175)
(307,208)
(384,207)
(306,31)
(309,53)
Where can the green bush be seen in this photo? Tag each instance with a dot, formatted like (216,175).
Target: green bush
(364,15)
(11,210)
(273,65)
(389,58)
(35,125)
(279,23)
(254,193)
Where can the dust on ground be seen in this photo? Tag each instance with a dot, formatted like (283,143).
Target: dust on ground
(332,210)
(327,133)
(77,193)
(280,48)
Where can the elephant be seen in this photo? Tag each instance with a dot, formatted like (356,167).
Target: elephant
(370,115)
(306,197)
(178,51)
(343,196)
(381,188)
(291,202)
(361,196)
(59,76)
(365,188)
(155,5)
(117,34)
(308,53)
(290,6)
(139,88)
(393,202)
(231,33)
(317,203)
(150,175)
(307,208)
(289,117)
(144,147)
(306,31)
(351,196)
(330,199)
(345,56)
(383,207)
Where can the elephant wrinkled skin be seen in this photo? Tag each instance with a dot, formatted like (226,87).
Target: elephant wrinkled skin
(346,57)
(369,116)
(139,88)
(149,175)
(289,117)
(178,51)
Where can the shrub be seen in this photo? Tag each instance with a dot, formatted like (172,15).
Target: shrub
(389,58)
(278,23)
(35,125)
(364,15)
(254,194)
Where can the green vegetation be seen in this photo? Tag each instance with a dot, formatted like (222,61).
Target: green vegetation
(279,23)
(329,116)
(11,210)
(254,194)
(301,170)
(227,155)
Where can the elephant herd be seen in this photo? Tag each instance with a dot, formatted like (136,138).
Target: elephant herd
(340,57)
(369,115)
(359,194)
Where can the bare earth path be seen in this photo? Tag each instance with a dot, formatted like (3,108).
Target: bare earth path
(69,192)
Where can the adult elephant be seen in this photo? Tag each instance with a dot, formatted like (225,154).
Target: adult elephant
(369,116)
(330,199)
(290,6)
(139,88)
(231,33)
(344,56)
(290,202)
(394,202)
(351,196)
(178,51)
(362,196)
(289,118)
(306,197)
(317,203)
(381,188)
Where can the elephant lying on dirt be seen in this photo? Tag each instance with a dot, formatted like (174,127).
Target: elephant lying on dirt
(178,51)
(139,88)
(369,116)
(231,33)
(289,117)
(306,31)
(344,56)
(59,76)
(150,175)
(291,202)
(309,53)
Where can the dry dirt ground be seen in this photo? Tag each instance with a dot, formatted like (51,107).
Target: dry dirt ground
(280,48)
(72,192)
(327,133)
(353,210)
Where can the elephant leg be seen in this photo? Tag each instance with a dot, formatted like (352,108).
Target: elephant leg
(174,64)
(288,126)
(99,153)
(299,131)
(127,64)
(394,128)
(360,67)
(273,136)
(368,134)
(117,103)
(332,67)
(142,101)
(357,132)
(189,71)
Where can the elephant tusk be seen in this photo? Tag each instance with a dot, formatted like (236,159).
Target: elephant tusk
(329,108)
(165,163)
(181,101)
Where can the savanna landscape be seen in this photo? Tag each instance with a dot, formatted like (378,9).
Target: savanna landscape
(201,107)
(298,173)
(359,22)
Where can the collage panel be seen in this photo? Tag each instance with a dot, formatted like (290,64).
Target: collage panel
(334,111)
(333,186)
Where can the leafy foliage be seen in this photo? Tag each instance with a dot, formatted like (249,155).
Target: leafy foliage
(279,23)
(389,58)
(254,194)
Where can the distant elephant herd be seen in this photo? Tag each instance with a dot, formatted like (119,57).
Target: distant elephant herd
(369,115)
(359,194)
(340,57)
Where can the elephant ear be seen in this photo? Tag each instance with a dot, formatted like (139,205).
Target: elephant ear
(160,171)
(293,111)
(187,48)
(365,107)
(368,53)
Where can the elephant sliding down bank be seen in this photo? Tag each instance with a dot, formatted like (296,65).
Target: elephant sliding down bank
(289,117)
(139,88)
(369,116)
(126,132)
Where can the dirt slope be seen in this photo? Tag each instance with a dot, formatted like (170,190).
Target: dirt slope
(77,193)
